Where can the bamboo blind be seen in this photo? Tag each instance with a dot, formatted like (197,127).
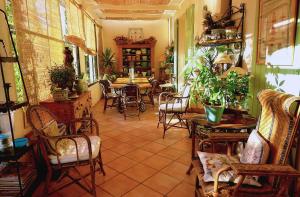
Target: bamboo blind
(89,28)
(40,43)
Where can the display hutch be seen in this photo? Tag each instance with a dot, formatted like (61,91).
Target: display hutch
(139,55)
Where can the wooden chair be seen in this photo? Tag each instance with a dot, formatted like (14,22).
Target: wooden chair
(131,98)
(109,94)
(278,125)
(63,151)
(174,104)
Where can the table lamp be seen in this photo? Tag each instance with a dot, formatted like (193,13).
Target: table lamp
(223,59)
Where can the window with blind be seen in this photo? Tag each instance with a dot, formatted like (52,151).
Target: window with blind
(39,37)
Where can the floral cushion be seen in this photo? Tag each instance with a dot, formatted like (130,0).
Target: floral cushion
(213,162)
(256,150)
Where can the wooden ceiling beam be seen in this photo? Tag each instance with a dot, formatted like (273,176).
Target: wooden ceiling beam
(137,7)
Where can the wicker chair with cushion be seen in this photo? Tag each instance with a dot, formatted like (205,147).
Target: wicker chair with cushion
(109,94)
(65,152)
(262,168)
(175,105)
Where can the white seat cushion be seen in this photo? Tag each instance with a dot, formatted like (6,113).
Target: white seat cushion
(173,107)
(67,150)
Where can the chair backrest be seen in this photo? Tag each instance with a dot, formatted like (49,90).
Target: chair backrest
(131,90)
(155,85)
(39,117)
(278,123)
(185,92)
(105,86)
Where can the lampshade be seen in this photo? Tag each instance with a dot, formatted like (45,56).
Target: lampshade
(223,58)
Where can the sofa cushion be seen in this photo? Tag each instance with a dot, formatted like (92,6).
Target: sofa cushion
(173,107)
(67,150)
(213,162)
(256,150)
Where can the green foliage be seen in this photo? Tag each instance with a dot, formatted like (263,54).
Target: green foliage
(108,60)
(211,89)
(62,76)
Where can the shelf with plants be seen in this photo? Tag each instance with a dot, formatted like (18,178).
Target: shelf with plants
(139,55)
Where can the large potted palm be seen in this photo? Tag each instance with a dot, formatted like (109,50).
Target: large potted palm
(108,60)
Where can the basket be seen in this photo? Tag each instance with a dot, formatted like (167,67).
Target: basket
(60,95)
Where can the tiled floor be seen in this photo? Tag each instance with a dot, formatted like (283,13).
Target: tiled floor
(137,160)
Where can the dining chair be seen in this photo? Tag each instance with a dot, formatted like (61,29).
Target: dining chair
(64,150)
(109,94)
(131,98)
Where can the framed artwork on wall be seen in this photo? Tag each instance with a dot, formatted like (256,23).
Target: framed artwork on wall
(135,34)
(276,32)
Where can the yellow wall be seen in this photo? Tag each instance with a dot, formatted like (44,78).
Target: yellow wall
(155,28)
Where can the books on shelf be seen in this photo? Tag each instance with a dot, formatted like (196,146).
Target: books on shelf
(9,182)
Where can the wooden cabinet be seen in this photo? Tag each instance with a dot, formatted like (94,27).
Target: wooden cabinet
(140,56)
(69,110)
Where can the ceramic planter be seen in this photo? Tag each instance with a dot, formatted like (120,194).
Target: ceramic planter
(214,113)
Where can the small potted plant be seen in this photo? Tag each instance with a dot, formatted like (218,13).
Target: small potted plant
(61,77)
(108,60)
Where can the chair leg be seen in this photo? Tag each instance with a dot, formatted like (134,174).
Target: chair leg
(101,163)
(164,123)
(188,172)
(159,118)
(105,104)
(47,181)
(93,179)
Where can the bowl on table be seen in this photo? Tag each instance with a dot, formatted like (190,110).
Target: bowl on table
(21,142)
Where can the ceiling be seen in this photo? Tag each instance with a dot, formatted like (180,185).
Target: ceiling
(130,9)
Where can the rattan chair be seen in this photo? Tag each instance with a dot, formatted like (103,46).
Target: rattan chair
(65,149)
(151,93)
(175,105)
(278,125)
(131,98)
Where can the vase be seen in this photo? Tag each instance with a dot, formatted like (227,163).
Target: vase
(214,113)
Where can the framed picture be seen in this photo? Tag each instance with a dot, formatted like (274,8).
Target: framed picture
(136,34)
(276,32)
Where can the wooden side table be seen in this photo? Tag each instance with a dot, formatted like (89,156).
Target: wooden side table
(71,109)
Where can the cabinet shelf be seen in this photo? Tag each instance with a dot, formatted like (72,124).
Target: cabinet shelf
(219,42)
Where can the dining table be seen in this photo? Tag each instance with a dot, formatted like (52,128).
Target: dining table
(142,82)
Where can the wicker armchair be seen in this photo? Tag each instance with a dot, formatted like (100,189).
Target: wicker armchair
(278,125)
(63,151)
(174,104)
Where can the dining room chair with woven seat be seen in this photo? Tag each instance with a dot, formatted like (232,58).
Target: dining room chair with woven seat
(131,99)
(175,105)
(262,168)
(64,149)
(109,94)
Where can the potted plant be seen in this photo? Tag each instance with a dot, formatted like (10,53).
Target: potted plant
(219,92)
(61,77)
(108,60)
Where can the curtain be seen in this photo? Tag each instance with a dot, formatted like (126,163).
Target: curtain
(40,43)
(89,29)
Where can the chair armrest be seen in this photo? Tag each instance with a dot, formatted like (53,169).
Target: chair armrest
(264,170)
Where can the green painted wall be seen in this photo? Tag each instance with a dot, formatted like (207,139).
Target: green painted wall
(189,30)
(288,77)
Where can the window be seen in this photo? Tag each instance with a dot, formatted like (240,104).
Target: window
(91,68)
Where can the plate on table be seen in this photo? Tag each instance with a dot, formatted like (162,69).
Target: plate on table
(73,96)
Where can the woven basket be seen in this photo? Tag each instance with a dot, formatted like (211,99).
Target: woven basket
(60,95)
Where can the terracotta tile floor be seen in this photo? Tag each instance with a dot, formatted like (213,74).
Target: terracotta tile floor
(137,160)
